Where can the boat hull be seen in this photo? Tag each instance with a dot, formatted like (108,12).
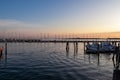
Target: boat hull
(92,51)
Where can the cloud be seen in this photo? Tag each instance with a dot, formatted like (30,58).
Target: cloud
(19,26)
(9,25)
(26,27)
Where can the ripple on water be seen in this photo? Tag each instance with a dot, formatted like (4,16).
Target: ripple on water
(51,62)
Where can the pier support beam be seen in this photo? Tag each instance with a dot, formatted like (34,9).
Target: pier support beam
(6,53)
(84,45)
(5,48)
(67,46)
(115,43)
(75,47)
(98,47)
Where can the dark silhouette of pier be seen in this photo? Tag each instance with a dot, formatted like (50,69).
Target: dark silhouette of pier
(116,63)
(75,41)
(63,40)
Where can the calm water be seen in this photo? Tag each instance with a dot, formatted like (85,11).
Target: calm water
(49,61)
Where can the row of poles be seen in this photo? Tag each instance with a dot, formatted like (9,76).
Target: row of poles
(116,58)
(115,44)
(75,46)
(18,35)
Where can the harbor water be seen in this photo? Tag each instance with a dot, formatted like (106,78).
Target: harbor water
(51,61)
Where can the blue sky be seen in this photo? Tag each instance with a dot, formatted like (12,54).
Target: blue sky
(60,16)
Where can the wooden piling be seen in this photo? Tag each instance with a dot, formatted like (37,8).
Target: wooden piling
(98,47)
(84,47)
(76,47)
(6,48)
(67,46)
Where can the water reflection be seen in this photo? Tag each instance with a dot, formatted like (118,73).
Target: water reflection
(116,63)
(96,57)
(5,59)
(6,54)
(116,58)
(116,74)
(67,49)
(90,57)
(1,52)
(40,62)
(75,50)
(1,55)
(67,52)
(75,54)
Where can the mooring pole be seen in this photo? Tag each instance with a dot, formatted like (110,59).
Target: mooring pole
(67,46)
(76,47)
(5,53)
(5,47)
(84,47)
(98,47)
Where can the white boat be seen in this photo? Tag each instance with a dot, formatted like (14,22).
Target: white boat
(106,47)
(103,47)
(92,47)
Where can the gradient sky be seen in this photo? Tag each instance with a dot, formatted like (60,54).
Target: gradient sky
(59,16)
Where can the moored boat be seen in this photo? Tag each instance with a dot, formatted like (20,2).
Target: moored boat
(103,47)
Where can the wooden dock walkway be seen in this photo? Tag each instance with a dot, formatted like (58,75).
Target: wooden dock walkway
(67,41)
(64,40)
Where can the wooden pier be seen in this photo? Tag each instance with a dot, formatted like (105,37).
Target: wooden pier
(74,41)
(64,40)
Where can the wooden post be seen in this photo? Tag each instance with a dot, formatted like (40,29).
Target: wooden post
(98,47)
(84,47)
(67,49)
(67,46)
(5,53)
(115,43)
(5,47)
(76,47)
(112,43)
(98,59)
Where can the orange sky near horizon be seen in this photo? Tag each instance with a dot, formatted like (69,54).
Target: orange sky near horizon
(60,35)
(63,17)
